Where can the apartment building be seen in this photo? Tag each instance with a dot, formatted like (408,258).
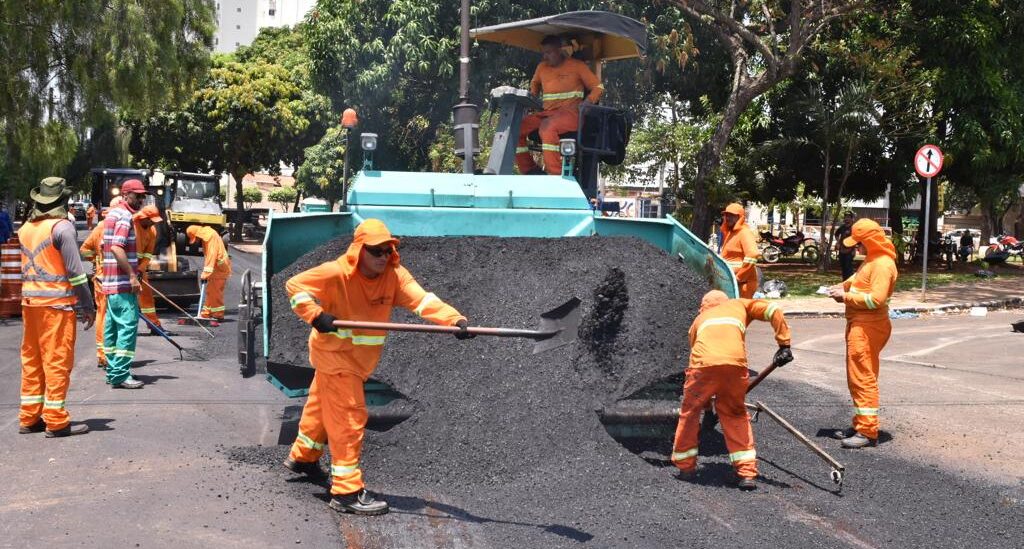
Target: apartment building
(239,21)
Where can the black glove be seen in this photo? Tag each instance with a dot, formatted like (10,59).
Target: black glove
(463,332)
(783,356)
(324,323)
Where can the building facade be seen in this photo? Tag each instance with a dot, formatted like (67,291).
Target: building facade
(239,21)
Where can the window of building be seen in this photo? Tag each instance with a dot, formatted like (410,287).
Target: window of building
(238,27)
(239,10)
(271,12)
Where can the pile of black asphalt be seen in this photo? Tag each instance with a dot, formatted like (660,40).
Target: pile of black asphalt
(508,446)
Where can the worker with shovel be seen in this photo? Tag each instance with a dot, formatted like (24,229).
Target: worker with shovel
(145,245)
(216,269)
(866,295)
(718,368)
(363,284)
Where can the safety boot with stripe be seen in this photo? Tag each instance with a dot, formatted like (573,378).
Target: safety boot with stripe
(858,441)
(359,503)
(308,468)
(68,431)
(38,427)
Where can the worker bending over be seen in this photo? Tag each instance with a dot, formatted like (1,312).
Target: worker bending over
(145,245)
(739,248)
(561,82)
(866,295)
(216,269)
(53,289)
(363,284)
(718,368)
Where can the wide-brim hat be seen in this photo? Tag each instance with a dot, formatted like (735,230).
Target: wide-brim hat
(50,191)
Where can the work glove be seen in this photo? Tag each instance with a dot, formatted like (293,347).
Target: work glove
(324,323)
(463,332)
(783,356)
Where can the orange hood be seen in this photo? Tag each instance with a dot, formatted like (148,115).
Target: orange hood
(371,232)
(712,299)
(737,209)
(870,234)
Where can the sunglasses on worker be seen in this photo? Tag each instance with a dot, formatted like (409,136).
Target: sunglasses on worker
(379,251)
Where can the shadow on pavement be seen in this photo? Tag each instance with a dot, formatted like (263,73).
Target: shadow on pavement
(99,423)
(150,380)
(883,436)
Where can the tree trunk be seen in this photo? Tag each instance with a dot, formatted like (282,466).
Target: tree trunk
(236,226)
(298,198)
(826,184)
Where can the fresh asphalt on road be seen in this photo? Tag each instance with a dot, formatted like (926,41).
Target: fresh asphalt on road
(161,466)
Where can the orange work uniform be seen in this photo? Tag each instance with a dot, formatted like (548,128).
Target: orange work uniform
(563,90)
(90,217)
(92,250)
(48,298)
(868,326)
(335,412)
(216,269)
(145,246)
(718,368)
(739,250)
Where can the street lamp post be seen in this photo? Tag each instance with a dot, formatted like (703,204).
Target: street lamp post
(349,120)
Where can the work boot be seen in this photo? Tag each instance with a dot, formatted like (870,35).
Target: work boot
(101,365)
(747,484)
(68,431)
(308,468)
(359,503)
(840,434)
(858,441)
(39,427)
(686,475)
(128,384)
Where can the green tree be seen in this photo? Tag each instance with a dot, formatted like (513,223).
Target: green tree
(283,196)
(251,195)
(73,64)
(322,172)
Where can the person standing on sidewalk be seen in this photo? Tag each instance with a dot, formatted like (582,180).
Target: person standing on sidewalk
(866,295)
(846,255)
(54,287)
(121,286)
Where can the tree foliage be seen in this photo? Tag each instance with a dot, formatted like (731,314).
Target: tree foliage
(251,195)
(322,173)
(283,196)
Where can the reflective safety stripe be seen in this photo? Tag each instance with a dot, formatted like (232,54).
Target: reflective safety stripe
(866,411)
(47,293)
(300,297)
(148,310)
(563,95)
(742,455)
(424,302)
(214,309)
(207,269)
(734,263)
(54,404)
(735,322)
(31,399)
(121,353)
(520,150)
(869,302)
(770,311)
(344,470)
(359,339)
(309,443)
(78,280)
(751,260)
(680,456)
(547,147)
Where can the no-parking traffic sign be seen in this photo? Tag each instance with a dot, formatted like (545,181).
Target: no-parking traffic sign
(928,161)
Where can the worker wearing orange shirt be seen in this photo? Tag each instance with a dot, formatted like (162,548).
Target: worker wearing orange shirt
(866,295)
(718,368)
(145,245)
(363,284)
(739,249)
(564,82)
(90,217)
(216,269)
(92,250)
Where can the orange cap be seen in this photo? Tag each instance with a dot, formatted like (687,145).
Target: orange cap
(373,232)
(149,212)
(862,230)
(734,208)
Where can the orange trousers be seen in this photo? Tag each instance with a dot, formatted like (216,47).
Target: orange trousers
(729,385)
(864,343)
(101,311)
(213,307)
(47,357)
(335,413)
(747,288)
(550,124)
(147,303)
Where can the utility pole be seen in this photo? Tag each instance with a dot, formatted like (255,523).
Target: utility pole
(465,115)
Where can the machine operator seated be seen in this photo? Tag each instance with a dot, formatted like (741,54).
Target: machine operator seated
(562,82)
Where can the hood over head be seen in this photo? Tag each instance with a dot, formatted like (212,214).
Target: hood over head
(371,232)
(712,299)
(737,209)
(869,233)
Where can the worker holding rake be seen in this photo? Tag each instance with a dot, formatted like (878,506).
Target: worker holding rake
(363,284)
(718,368)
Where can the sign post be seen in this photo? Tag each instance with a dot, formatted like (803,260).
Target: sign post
(928,164)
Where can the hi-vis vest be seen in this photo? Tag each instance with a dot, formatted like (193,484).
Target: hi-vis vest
(44,280)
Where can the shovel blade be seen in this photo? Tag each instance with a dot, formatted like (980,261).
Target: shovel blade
(560,326)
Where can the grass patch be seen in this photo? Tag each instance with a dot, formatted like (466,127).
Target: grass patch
(804,281)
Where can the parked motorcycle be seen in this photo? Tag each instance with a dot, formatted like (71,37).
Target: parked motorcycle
(776,247)
(1008,244)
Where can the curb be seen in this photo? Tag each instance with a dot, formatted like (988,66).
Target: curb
(235,247)
(1007,303)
